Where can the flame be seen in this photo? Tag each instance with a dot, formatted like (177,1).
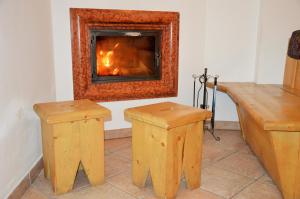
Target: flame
(116,46)
(116,71)
(106,60)
(111,60)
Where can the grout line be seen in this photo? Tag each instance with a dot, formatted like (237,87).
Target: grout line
(215,164)
(212,193)
(117,187)
(145,193)
(111,176)
(226,156)
(246,186)
(117,173)
(237,173)
(222,158)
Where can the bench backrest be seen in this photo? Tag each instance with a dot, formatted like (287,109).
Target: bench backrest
(292,67)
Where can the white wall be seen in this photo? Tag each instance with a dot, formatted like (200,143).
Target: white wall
(191,47)
(203,23)
(231,34)
(230,46)
(26,77)
(239,40)
(278,19)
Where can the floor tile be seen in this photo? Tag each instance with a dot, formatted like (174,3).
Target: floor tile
(229,169)
(123,182)
(266,178)
(196,194)
(105,191)
(242,163)
(223,182)
(32,193)
(113,145)
(261,189)
(211,154)
(246,149)
(126,153)
(43,185)
(230,140)
(115,164)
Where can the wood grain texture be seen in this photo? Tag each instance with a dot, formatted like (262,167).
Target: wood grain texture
(270,105)
(167,114)
(46,130)
(290,72)
(242,125)
(141,132)
(193,154)
(72,135)
(166,142)
(64,153)
(286,150)
(270,118)
(92,149)
(83,20)
(291,80)
(66,111)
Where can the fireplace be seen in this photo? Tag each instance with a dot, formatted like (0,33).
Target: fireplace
(124,54)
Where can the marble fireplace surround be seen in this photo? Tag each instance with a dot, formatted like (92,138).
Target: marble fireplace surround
(83,20)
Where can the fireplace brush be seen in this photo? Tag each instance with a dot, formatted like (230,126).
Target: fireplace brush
(203,80)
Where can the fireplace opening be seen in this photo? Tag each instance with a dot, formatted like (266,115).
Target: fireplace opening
(125,55)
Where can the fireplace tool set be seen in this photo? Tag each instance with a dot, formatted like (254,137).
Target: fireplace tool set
(201,82)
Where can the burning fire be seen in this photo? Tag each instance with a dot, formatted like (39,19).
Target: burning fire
(123,57)
(105,64)
(106,60)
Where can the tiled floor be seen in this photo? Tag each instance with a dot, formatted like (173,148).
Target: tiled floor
(229,170)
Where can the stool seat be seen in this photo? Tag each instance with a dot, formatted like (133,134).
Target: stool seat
(72,134)
(56,112)
(166,142)
(167,115)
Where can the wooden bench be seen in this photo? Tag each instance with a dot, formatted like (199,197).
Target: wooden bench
(270,121)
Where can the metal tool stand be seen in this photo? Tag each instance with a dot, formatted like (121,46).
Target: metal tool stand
(203,79)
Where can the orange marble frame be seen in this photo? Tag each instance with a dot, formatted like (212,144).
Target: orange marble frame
(83,20)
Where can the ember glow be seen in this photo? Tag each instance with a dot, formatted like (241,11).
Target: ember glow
(124,56)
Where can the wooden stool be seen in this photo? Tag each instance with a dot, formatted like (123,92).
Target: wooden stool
(167,140)
(72,133)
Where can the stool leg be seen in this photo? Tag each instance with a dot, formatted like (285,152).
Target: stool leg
(140,165)
(64,156)
(166,160)
(46,130)
(192,155)
(92,149)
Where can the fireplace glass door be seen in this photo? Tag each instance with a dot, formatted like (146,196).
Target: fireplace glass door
(125,55)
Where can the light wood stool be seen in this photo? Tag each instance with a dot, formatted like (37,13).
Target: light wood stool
(72,133)
(167,141)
